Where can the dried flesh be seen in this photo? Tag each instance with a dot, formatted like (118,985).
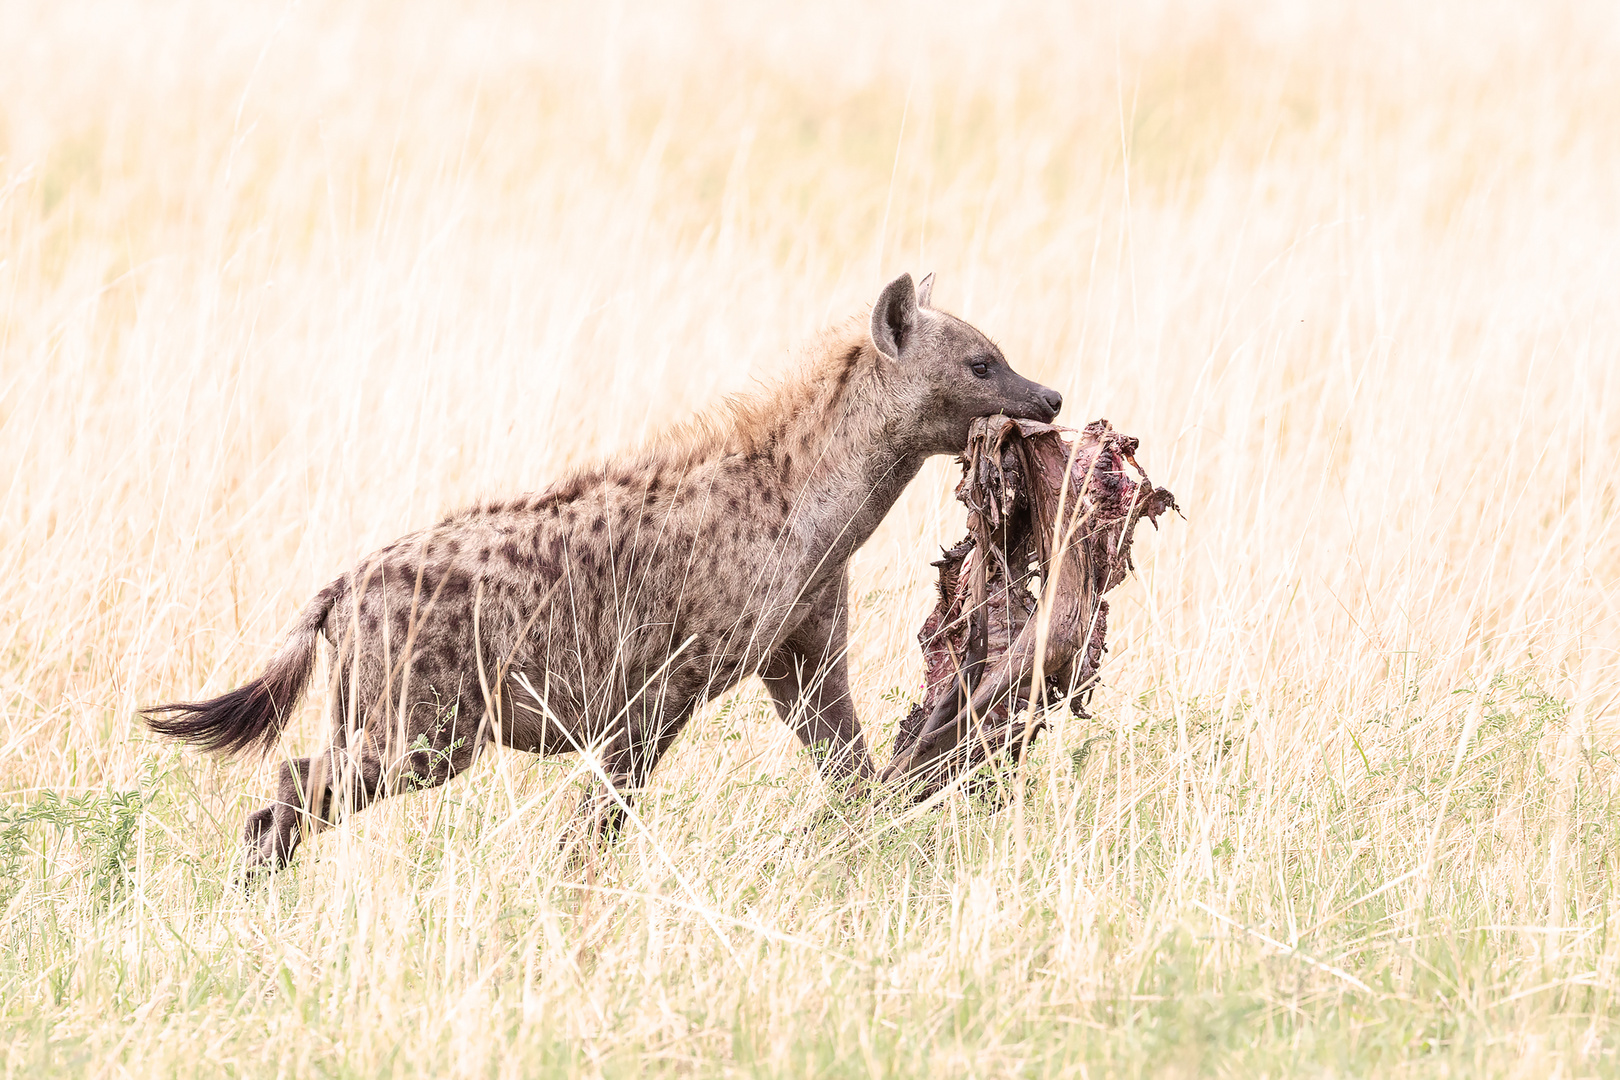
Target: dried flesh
(1021,624)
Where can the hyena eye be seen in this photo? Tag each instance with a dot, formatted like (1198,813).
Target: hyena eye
(981,368)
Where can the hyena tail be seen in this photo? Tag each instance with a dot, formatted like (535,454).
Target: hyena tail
(253,714)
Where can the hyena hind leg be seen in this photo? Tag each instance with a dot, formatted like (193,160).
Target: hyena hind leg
(347,782)
(305,797)
(273,832)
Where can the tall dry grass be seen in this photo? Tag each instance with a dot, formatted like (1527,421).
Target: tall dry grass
(281,282)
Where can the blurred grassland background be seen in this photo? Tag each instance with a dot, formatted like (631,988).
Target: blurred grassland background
(279,283)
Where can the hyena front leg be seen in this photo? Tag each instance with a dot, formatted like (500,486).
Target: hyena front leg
(808,679)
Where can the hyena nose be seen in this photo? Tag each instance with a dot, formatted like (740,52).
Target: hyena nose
(1053,400)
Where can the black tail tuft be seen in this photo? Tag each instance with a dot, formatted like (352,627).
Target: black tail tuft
(252,715)
(249,716)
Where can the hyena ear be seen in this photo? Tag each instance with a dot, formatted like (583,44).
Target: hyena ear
(925,290)
(894,318)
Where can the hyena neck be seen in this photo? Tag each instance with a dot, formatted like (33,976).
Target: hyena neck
(838,447)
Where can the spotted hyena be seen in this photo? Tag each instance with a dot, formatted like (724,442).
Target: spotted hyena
(602,611)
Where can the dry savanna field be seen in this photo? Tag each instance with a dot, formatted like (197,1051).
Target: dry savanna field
(282,282)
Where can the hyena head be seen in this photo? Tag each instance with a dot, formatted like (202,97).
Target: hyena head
(945,373)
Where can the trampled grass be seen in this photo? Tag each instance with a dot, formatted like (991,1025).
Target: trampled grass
(279,283)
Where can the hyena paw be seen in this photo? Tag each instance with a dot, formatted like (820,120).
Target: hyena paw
(262,852)
(257,823)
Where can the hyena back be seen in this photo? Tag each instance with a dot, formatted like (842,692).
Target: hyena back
(603,611)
